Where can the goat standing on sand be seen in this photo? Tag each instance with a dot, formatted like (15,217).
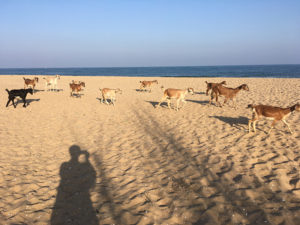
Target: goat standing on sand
(271,112)
(210,86)
(76,88)
(177,94)
(52,82)
(29,82)
(12,94)
(108,93)
(145,84)
(228,93)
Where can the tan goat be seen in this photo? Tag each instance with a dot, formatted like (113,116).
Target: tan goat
(228,93)
(28,82)
(108,93)
(177,94)
(271,112)
(149,84)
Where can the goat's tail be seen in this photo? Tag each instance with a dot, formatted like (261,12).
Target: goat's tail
(24,78)
(7,91)
(206,82)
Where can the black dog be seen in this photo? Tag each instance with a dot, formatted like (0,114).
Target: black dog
(12,94)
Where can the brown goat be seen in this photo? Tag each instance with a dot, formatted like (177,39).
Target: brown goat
(228,93)
(145,84)
(210,86)
(76,88)
(271,112)
(30,82)
(177,94)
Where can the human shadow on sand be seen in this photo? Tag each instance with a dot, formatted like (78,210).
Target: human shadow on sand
(73,203)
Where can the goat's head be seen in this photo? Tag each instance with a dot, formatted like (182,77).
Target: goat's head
(297,107)
(118,90)
(82,84)
(30,90)
(36,79)
(155,81)
(245,87)
(190,90)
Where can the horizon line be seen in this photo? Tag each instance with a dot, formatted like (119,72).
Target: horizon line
(74,67)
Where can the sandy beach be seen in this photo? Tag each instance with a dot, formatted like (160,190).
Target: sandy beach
(75,161)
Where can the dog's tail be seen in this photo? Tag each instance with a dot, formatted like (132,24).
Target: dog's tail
(7,91)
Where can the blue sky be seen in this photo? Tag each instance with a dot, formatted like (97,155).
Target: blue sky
(109,33)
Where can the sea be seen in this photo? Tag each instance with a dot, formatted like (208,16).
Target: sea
(273,71)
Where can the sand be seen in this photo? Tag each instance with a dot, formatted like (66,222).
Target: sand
(67,160)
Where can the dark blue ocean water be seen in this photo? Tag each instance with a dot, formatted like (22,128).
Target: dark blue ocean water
(284,71)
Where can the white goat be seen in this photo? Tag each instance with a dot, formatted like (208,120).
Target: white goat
(52,82)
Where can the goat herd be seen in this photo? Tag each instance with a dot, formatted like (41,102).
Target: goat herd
(217,89)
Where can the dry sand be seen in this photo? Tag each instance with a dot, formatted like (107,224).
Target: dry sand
(135,164)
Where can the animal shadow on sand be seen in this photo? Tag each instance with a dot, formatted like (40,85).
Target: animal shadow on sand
(77,95)
(199,93)
(198,102)
(141,90)
(73,203)
(37,90)
(154,104)
(236,122)
(28,101)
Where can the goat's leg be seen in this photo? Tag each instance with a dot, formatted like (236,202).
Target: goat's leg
(13,98)
(112,101)
(169,103)
(207,91)
(287,125)
(211,97)
(272,126)
(249,125)
(177,104)
(24,101)
(9,99)
(162,99)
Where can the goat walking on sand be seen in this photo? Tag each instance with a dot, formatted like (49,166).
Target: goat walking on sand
(210,86)
(108,93)
(228,93)
(30,82)
(22,93)
(76,87)
(271,112)
(149,84)
(177,94)
(52,82)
